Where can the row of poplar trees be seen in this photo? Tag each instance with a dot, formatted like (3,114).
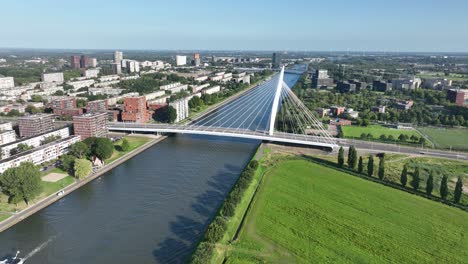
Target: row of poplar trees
(353,161)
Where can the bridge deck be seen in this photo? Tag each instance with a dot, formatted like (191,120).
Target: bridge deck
(224,132)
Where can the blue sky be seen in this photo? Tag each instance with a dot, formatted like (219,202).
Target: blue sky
(377,25)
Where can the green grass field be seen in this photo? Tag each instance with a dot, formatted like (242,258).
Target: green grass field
(457,138)
(376,131)
(134,142)
(452,76)
(307,213)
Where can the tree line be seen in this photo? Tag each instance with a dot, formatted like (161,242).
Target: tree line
(353,161)
(217,227)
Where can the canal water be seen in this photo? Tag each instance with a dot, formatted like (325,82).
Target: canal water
(151,209)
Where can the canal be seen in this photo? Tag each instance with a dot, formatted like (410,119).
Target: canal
(151,209)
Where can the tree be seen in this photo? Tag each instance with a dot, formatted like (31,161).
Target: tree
(32,109)
(363,136)
(402,137)
(352,157)
(125,145)
(430,183)
(370,166)
(171,114)
(422,140)
(360,165)
(381,171)
(79,149)
(82,168)
(67,163)
(103,148)
(404,175)
(443,187)
(416,179)
(341,157)
(21,183)
(414,138)
(458,190)
(383,137)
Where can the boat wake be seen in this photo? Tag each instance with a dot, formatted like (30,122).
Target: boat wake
(39,248)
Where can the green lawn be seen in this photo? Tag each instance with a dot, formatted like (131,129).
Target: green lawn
(457,138)
(452,76)
(134,142)
(4,217)
(307,213)
(48,188)
(376,131)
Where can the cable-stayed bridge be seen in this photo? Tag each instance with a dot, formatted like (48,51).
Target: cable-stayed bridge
(269,112)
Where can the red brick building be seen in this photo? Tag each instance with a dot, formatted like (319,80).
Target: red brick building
(66,106)
(98,106)
(337,110)
(90,125)
(135,110)
(458,96)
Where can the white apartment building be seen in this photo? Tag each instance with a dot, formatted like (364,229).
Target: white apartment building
(181,60)
(201,78)
(116,68)
(212,90)
(6,126)
(7,136)
(169,86)
(53,77)
(115,99)
(154,95)
(33,141)
(108,78)
(118,56)
(133,77)
(133,66)
(196,89)
(181,107)
(160,100)
(40,155)
(106,84)
(105,91)
(179,88)
(81,84)
(7,82)
(91,73)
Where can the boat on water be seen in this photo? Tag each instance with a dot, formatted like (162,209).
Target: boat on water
(14,260)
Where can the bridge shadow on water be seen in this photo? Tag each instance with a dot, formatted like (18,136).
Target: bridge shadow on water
(186,232)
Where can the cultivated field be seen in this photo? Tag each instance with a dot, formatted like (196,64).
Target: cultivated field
(376,131)
(307,213)
(457,138)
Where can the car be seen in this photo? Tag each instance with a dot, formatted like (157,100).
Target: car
(61,193)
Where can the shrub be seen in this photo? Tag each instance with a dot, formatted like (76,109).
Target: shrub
(202,254)
(215,230)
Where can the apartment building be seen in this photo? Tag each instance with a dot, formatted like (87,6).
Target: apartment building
(135,110)
(7,136)
(99,106)
(40,155)
(32,125)
(56,77)
(90,125)
(7,82)
(181,107)
(6,126)
(34,141)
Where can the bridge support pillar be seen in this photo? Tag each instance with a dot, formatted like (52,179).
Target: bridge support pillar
(274,109)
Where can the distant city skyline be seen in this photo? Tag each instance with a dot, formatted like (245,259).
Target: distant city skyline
(297,25)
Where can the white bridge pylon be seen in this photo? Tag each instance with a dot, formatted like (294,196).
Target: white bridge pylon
(274,108)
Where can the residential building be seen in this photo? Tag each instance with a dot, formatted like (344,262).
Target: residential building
(7,82)
(458,96)
(345,87)
(169,86)
(133,66)
(6,126)
(93,62)
(98,106)
(135,110)
(353,114)
(276,60)
(116,68)
(437,84)
(320,79)
(406,84)
(196,59)
(81,84)
(154,95)
(56,77)
(7,136)
(211,90)
(34,141)
(404,105)
(382,86)
(337,110)
(118,56)
(178,88)
(105,91)
(241,77)
(91,73)
(40,155)
(322,112)
(378,109)
(181,107)
(90,125)
(84,61)
(66,106)
(198,88)
(359,85)
(32,125)
(75,62)
(181,60)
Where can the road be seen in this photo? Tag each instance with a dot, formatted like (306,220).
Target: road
(382,147)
